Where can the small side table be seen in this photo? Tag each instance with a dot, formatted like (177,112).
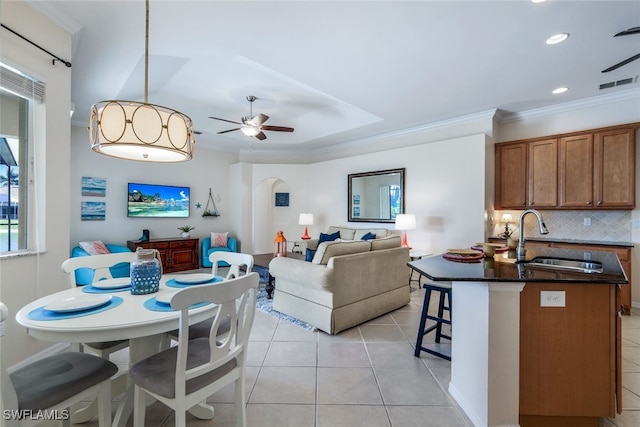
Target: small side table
(297,247)
(416,254)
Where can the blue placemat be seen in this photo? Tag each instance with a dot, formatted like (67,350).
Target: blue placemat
(88,289)
(153,305)
(42,314)
(173,284)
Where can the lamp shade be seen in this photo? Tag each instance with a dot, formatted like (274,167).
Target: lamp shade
(507,218)
(140,131)
(305,219)
(405,222)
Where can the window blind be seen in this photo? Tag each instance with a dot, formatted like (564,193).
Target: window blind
(21,85)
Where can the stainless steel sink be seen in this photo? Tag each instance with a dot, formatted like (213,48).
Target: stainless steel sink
(581,266)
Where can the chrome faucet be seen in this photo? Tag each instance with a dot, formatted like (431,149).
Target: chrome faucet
(521,252)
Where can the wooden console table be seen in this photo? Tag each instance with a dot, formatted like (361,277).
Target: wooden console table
(176,254)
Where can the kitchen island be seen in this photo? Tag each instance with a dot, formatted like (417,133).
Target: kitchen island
(533,344)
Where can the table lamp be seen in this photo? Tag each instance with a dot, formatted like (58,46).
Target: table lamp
(405,222)
(506,218)
(305,219)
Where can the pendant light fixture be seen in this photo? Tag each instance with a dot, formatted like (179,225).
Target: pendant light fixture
(139,130)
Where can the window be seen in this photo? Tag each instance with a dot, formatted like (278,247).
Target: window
(17,93)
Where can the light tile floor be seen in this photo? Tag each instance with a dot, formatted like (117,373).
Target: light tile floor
(365,376)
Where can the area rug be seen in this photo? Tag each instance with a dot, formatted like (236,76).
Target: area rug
(266,305)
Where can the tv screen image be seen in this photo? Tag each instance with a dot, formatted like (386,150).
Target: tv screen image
(148,200)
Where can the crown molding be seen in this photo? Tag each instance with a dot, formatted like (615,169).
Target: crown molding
(506,117)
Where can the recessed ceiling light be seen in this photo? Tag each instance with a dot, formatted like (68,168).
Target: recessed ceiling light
(557,38)
(560,90)
(537,1)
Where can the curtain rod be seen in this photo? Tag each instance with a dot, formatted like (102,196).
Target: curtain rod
(67,63)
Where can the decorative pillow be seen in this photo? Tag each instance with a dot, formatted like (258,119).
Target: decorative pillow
(95,248)
(219,240)
(368,236)
(328,237)
(308,256)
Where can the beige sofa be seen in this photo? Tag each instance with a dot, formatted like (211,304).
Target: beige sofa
(347,233)
(346,284)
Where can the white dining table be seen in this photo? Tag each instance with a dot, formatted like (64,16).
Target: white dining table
(130,320)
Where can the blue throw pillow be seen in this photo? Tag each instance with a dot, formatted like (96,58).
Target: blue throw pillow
(328,237)
(368,236)
(308,256)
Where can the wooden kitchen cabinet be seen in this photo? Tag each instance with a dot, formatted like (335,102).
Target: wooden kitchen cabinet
(542,173)
(511,176)
(593,169)
(527,174)
(614,174)
(576,171)
(597,170)
(568,348)
(176,254)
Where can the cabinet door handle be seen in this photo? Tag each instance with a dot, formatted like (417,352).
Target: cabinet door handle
(588,203)
(599,202)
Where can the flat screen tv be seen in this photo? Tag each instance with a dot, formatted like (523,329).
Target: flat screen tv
(149,200)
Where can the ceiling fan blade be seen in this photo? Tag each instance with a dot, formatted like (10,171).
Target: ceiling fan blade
(261,136)
(620,64)
(225,120)
(276,128)
(258,120)
(633,30)
(230,130)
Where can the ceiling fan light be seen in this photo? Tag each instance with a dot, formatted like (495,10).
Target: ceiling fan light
(250,130)
(557,38)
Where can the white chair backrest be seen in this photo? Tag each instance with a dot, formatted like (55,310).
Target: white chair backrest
(99,263)
(236,299)
(234,259)
(8,397)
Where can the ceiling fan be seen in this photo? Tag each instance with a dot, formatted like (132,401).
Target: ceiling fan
(253,125)
(630,31)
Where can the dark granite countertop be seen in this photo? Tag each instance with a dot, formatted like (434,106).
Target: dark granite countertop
(573,241)
(503,268)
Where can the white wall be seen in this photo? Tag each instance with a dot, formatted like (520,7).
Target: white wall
(444,188)
(27,277)
(208,169)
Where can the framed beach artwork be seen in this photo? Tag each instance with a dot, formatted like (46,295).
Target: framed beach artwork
(93,211)
(94,186)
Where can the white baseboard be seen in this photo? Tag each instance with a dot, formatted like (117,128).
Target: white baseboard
(49,351)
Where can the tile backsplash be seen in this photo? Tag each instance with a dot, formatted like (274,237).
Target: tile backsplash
(611,226)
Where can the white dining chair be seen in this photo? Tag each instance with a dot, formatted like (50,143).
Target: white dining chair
(101,265)
(187,374)
(235,261)
(52,385)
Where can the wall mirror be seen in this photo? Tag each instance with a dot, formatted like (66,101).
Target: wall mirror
(376,196)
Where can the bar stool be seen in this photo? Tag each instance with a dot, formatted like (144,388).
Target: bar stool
(443,351)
